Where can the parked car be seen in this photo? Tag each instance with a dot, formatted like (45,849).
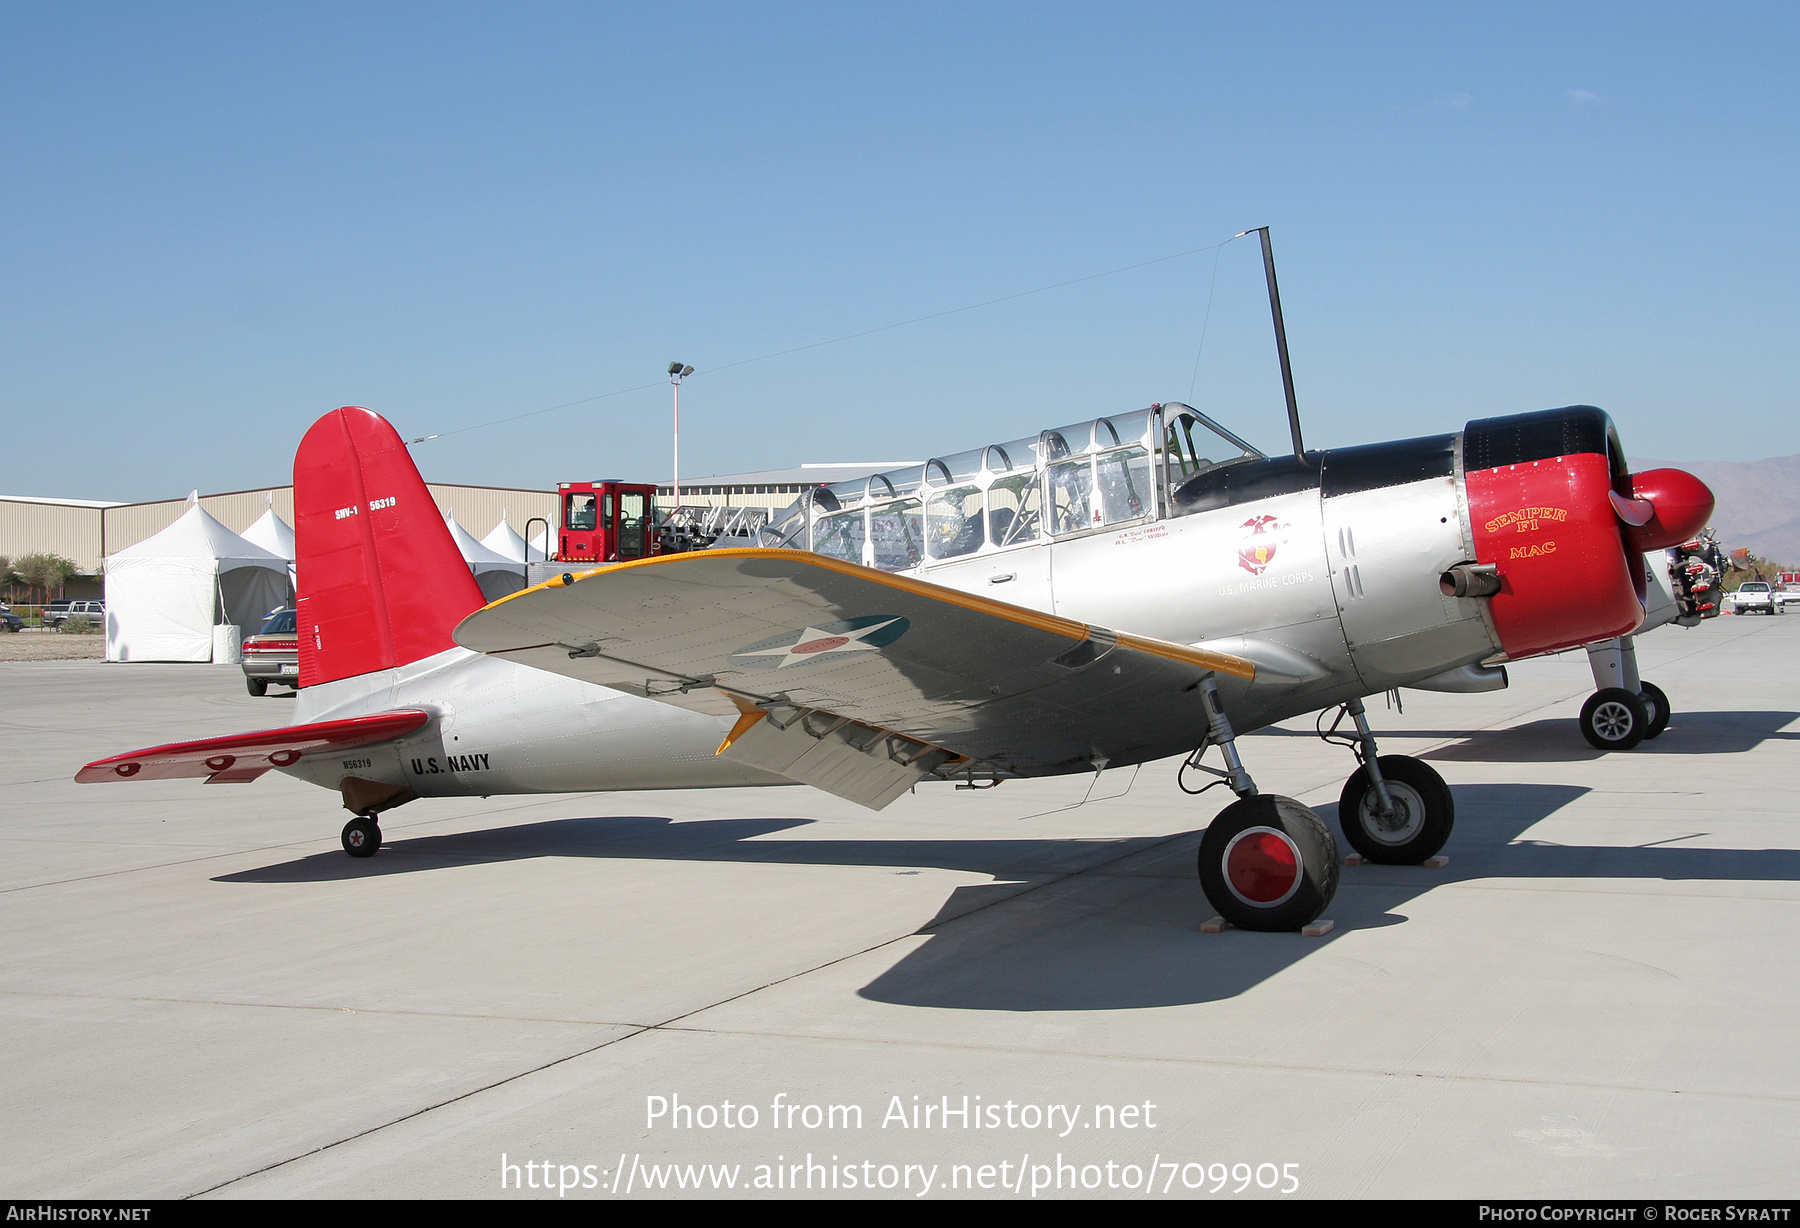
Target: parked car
(272,655)
(59,612)
(9,620)
(1788,594)
(1756,597)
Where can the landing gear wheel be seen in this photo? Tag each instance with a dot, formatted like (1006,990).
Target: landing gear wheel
(361,837)
(1424,812)
(1614,719)
(257,686)
(1658,703)
(1268,863)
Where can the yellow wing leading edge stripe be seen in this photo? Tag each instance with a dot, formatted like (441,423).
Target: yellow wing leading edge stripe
(1224,663)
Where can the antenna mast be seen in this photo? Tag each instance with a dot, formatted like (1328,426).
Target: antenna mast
(1281,346)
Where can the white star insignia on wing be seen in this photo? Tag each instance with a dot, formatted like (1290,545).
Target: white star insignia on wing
(814,643)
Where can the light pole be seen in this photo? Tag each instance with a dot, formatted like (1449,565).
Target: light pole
(677,373)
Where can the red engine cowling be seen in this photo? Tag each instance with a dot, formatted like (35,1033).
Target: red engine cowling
(1566,528)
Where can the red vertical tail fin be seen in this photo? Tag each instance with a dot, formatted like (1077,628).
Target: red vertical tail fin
(381,582)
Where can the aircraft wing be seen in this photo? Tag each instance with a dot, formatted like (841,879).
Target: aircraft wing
(855,680)
(242,757)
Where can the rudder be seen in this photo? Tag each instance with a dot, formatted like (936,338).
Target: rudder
(381,583)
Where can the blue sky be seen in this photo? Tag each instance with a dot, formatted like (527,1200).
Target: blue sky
(220,221)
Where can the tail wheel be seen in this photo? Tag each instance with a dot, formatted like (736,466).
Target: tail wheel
(1268,863)
(1614,719)
(1424,812)
(1658,703)
(362,837)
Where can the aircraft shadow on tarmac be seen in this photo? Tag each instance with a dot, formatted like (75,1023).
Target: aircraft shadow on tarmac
(1095,925)
(1559,740)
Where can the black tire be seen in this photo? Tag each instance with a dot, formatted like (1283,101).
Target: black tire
(1285,863)
(1424,812)
(1614,719)
(1658,703)
(362,837)
(257,686)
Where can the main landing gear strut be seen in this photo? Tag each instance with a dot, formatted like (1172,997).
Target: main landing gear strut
(1624,710)
(1395,810)
(1266,862)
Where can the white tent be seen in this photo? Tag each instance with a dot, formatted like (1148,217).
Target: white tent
(496,574)
(505,540)
(165,594)
(273,534)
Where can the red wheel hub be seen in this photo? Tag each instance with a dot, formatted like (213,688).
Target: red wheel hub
(1263,866)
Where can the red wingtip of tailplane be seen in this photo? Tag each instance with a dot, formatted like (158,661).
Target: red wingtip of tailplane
(382,583)
(245,756)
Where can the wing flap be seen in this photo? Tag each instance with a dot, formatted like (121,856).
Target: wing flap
(1026,692)
(845,758)
(241,757)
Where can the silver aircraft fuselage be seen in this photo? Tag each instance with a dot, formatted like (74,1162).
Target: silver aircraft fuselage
(1324,571)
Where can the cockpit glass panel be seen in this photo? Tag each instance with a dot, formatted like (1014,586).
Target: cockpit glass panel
(1071,497)
(1136,427)
(845,494)
(1055,445)
(1020,452)
(953,523)
(1106,435)
(787,529)
(1015,510)
(965,465)
(1124,481)
(896,534)
(1194,447)
(897,482)
(840,537)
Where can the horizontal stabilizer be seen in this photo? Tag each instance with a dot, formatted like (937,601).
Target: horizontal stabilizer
(242,757)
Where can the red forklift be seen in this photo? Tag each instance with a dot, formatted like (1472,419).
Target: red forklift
(608,521)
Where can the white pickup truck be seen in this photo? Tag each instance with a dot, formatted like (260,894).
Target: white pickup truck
(1756,597)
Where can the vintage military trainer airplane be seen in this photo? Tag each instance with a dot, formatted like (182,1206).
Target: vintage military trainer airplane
(1108,593)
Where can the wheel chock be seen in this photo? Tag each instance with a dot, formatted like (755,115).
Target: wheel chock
(1319,928)
(1214,925)
(1353,859)
(1436,863)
